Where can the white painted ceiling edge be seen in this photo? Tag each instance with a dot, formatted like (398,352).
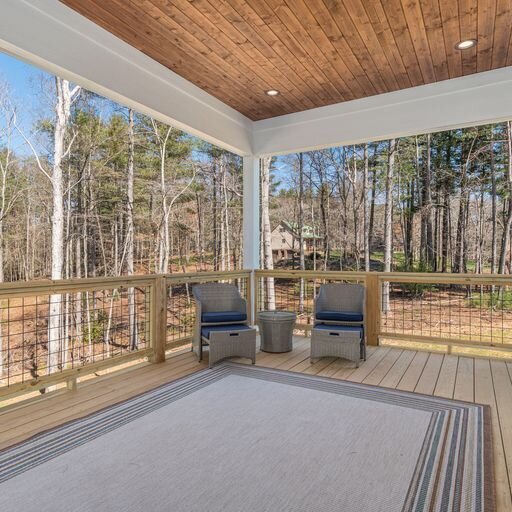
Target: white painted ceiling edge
(52,36)
(466,101)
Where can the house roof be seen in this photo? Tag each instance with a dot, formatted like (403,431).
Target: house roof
(308,232)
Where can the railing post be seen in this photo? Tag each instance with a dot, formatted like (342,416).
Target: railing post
(250,297)
(372,314)
(72,384)
(158,319)
(257,291)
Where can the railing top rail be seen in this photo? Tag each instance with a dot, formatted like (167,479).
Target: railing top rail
(206,276)
(45,286)
(26,288)
(313,273)
(402,277)
(445,278)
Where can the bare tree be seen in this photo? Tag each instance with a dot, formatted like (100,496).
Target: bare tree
(300,228)
(268,262)
(388,221)
(366,212)
(508,217)
(129,244)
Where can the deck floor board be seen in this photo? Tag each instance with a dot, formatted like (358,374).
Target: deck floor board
(463,378)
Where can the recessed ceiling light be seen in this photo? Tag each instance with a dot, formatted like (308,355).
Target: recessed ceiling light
(466,44)
(272,92)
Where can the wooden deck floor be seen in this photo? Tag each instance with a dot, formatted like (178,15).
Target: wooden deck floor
(480,380)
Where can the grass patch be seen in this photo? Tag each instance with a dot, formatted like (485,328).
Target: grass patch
(498,300)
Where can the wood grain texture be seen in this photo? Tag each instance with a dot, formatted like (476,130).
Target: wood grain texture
(316,52)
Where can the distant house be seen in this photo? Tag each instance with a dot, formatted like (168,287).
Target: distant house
(285,240)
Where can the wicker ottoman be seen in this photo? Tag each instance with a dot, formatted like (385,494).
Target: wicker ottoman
(336,341)
(230,341)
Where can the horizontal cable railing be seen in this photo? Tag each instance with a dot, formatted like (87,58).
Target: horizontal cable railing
(52,331)
(450,309)
(466,310)
(55,332)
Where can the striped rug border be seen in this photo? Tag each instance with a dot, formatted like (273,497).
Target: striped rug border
(450,422)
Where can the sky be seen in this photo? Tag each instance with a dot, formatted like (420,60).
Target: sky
(24,84)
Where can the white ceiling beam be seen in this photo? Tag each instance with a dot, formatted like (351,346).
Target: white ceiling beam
(467,101)
(55,38)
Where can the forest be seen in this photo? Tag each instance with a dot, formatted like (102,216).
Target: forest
(437,202)
(99,190)
(92,188)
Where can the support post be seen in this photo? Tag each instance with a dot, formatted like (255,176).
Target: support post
(158,319)
(251,212)
(372,313)
(251,224)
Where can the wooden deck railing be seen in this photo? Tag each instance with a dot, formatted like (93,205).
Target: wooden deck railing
(463,310)
(55,333)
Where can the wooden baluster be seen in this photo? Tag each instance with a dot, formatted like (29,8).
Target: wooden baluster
(158,319)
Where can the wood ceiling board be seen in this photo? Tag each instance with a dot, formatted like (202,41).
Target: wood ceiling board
(315,52)
(452,32)
(501,37)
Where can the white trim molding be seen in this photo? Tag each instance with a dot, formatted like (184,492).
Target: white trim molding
(467,101)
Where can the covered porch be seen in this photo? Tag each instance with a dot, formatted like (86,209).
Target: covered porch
(430,335)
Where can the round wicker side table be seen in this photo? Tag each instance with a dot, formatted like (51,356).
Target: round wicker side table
(276,330)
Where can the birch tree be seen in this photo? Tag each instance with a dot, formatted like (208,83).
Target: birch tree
(268,263)
(130,230)
(64,96)
(508,215)
(366,212)
(300,227)
(388,222)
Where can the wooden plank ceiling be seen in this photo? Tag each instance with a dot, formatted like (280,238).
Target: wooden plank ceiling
(315,52)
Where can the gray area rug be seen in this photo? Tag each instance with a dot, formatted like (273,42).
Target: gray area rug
(239,438)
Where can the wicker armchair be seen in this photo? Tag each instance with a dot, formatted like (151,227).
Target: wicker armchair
(339,318)
(222,323)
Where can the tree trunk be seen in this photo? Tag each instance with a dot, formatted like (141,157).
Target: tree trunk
(494,217)
(130,232)
(427,241)
(268,262)
(300,228)
(62,115)
(388,222)
(372,205)
(366,219)
(508,217)
(163,235)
